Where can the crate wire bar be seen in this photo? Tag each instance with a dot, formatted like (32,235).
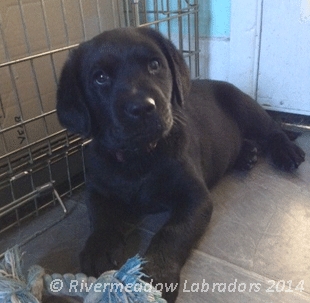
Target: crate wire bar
(38,169)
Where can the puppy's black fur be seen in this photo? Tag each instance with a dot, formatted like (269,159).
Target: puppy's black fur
(159,143)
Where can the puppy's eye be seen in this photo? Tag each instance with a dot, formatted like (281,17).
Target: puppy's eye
(153,66)
(101,78)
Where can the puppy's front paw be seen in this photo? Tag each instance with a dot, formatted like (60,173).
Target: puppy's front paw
(285,154)
(164,277)
(103,251)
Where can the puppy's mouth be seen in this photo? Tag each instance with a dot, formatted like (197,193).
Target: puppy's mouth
(121,155)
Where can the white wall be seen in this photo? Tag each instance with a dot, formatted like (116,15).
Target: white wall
(214,28)
(214,58)
(269,52)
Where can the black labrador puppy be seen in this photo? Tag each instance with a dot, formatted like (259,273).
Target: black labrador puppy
(159,143)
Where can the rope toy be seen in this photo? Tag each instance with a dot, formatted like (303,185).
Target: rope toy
(122,286)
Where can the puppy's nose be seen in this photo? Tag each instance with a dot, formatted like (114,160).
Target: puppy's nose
(140,108)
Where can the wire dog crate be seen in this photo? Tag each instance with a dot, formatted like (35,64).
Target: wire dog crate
(40,162)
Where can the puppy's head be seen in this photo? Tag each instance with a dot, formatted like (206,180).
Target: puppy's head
(122,87)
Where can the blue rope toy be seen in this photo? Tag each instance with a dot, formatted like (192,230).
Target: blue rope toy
(122,286)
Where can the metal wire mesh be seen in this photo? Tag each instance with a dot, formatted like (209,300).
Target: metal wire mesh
(39,161)
(177,20)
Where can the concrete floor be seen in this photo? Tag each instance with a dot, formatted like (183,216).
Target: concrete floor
(258,239)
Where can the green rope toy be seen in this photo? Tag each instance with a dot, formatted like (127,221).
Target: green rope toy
(122,286)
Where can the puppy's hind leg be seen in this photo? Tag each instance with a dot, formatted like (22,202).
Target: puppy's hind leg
(284,153)
(255,124)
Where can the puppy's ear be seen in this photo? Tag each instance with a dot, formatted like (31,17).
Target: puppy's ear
(71,108)
(177,65)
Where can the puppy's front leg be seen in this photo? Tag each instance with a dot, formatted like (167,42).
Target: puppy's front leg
(172,245)
(105,247)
